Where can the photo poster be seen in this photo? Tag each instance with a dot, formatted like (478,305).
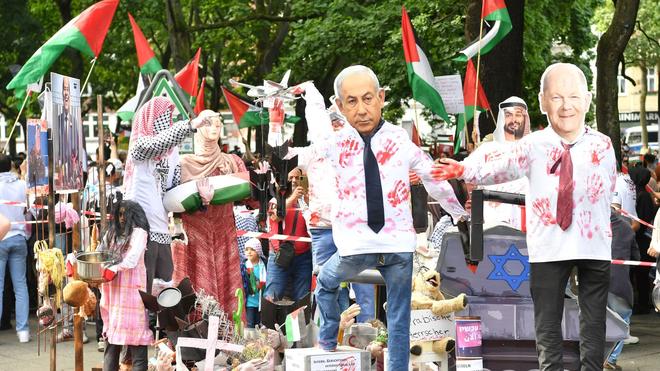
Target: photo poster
(37,149)
(65,119)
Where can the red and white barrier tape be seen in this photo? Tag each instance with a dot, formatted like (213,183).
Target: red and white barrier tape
(638,220)
(633,262)
(272,236)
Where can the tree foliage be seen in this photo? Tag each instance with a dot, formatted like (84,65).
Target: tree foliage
(250,40)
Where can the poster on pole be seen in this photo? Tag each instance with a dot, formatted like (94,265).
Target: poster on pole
(37,159)
(65,119)
(451,91)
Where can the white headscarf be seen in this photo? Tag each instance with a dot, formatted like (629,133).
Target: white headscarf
(509,103)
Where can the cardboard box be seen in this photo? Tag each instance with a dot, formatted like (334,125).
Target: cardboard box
(315,359)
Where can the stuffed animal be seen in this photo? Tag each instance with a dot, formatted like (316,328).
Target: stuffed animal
(426,295)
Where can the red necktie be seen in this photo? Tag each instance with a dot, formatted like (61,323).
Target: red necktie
(566,186)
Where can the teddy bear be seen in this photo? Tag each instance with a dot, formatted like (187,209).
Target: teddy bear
(426,295)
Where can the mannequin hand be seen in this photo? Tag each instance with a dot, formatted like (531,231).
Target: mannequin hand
(447,169)
(414,178)
(347,318)
(205,190)
(276,114)
(204,119)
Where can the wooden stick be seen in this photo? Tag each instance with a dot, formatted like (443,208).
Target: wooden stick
(476,84)
(88,75)
(27,97)
(78,326)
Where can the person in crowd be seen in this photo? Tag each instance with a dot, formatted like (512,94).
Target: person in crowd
(256,271)
(298,273)
(125,319)
(372,223)
(625,196)
(571,171)
(212,245)
(620,295)
(152,167)
(646,211)
(13,246)
(318,215)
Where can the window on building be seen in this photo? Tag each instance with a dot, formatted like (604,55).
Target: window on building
(651,84)
(622,85)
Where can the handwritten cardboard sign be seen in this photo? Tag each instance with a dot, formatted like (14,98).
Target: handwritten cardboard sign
(451,91)
(424,325)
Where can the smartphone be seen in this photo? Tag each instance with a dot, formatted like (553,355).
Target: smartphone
(304,182)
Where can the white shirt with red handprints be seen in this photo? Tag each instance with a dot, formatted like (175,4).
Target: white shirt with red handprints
(594,173)
(396,155)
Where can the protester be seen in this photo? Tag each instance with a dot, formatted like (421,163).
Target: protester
(646,211)
(13,246)
(152,168)
(256,271)
(211,258)
(318,215)
(571,171)
(620,296)
(125,319)
(298,272)
(372,224)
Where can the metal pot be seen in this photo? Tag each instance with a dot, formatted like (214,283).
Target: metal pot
(90,265)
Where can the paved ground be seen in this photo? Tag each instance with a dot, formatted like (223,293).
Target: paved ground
(15,356)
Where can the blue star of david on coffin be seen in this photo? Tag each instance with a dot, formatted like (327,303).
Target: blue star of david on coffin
(499,271)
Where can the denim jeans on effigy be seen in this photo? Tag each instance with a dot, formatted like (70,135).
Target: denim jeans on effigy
(396,269)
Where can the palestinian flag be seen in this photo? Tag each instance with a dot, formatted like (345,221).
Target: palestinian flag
(146,58)
(495,11)
(295,325)
(199,102)
(420,75)
(248,115)
(188,77)
(86,33)
(127,110)
(470,101)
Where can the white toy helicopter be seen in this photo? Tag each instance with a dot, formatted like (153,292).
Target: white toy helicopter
(270,89)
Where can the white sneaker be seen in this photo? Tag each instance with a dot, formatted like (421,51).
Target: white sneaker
(631,340)
(101,346)
(23,336)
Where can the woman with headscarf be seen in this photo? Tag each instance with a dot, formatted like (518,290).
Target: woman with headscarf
(211,259)
(646,211)
(152,167)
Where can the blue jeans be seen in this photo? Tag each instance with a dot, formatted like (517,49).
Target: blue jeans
(323,247)
(252,316)
(298,275)
(623,309)
(13,252)
(396,269)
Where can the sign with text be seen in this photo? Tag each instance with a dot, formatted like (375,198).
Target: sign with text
(336,362)
(424,325)
(451,91)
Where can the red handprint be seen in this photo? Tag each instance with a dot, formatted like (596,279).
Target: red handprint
(349,148)
(584,222)
(595,187)
(541,208)
(387,152)
(399,194)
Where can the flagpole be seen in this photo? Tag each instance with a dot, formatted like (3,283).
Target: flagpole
(27,96)
(88,74)
(476,83)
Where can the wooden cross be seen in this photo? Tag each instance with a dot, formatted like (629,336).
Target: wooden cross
(211,343)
